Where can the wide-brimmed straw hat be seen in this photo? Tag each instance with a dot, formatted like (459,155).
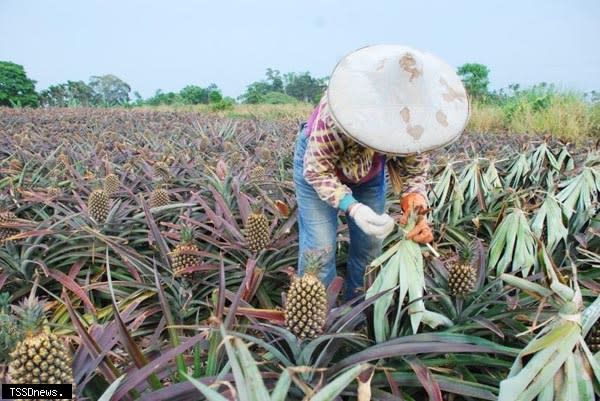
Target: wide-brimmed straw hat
(397,100)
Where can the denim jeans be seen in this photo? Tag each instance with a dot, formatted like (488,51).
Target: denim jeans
(318,223)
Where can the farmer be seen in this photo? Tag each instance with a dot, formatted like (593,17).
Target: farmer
(385,106)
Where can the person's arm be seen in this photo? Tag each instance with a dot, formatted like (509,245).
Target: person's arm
(325,144)
(409,174)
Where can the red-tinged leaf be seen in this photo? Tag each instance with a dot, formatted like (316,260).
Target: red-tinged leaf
(135,377)
(221,169)
(272,315)
(425,378)
(75,269)
(28,234)
(392,383)
(133,350)
(283,208)
(255,277)
(3,278)
(92,347)
(333,291)
(71,285)
(489,325)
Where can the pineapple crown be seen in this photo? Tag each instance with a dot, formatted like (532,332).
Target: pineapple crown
(31,314)
(466,252)
(313,262)
(187,234)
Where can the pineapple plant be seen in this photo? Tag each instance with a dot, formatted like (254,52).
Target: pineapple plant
(183,255)
(6,219)
(462,276)
(256,231)
(160,171)
(111,184)
(306,301)
(98,205)
(10,334)
(159,197)
(40,357)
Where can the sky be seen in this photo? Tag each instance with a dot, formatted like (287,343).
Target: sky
(167,45)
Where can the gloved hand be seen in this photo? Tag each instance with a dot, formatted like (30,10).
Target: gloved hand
(412,202)
(379,225)
(421,232)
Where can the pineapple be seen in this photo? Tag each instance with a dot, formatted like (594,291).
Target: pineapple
(257,173)
(160,171)
(98,205)
(7,218)
(306,301)
(182,256)
(593,338)
(256,231)
(111,184)
(159,197)
(40,357)
(462,276)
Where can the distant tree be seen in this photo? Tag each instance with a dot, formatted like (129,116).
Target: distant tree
(255,93)
(275,81)
(304,87)
(476,80)
(15,88)
(193,94)
(72,93)
(160,97)
(109,90)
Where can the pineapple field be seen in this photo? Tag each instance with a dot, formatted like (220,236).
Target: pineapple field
(150,255)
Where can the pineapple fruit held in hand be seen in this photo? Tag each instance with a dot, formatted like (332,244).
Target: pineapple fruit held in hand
(183,256)
(306,302)
(40,357)
(462,276)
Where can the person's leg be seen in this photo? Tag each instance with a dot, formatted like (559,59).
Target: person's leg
(317,221)
(363,248)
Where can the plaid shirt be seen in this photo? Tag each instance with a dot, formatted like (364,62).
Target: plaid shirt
(333,160)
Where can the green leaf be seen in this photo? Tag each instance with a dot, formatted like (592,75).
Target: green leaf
(335,387)
(209,393)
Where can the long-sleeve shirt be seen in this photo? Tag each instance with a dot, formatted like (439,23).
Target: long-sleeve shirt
(333,160)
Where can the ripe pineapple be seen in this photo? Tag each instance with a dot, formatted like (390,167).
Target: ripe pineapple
(306,303)
(182,256)
(256,231)
(5,232)
(257,173)
(98,205)
(462,276)
(160,171)
(40,357)
(159,197)
(593,338)
(111,184)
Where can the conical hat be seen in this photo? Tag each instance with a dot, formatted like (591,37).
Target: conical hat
(397,100)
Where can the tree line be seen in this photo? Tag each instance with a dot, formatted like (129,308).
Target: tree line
(18,90)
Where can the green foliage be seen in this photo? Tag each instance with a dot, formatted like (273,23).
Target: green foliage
(15,88)
(223,104)
(302,87)
(72,93)
(110,90)
(475,78)
(193,94)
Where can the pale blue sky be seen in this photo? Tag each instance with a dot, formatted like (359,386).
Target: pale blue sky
(169,44)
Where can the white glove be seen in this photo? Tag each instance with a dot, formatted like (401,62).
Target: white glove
(379,225)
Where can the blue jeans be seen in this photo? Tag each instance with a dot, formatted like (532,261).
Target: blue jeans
(318,223)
